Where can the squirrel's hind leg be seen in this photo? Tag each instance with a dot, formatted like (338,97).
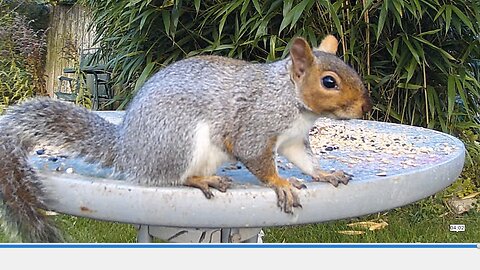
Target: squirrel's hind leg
(205,160)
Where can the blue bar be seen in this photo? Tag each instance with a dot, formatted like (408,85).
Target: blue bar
(240,246)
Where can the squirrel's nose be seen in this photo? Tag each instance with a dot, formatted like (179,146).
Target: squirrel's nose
(367,105)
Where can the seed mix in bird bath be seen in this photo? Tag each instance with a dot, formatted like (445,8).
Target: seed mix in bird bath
(366,147)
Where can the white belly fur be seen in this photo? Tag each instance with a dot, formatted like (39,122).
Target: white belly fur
(291,143)
(207,157)
(298,130)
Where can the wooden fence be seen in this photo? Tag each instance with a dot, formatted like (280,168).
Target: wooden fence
(68,35)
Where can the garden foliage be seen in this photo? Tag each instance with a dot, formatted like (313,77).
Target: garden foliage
(22,56)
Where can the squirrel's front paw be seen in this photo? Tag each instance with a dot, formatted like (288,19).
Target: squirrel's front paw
(333,178)
(221,183)
(287,197)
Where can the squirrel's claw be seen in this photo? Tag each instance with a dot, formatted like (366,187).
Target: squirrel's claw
(207,192)
(296,182)
(220,183)
(333,178)
(287,198)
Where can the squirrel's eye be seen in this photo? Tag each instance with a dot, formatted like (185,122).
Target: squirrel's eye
(329,82)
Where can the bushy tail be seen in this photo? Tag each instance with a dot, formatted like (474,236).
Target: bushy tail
(43,122)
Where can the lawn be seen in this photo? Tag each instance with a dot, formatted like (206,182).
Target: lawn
(426,221)
(417,223)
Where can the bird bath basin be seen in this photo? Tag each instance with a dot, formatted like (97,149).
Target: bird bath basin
(393,165)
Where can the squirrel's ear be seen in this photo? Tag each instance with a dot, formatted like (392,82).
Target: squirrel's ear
(302,56)
(329,45)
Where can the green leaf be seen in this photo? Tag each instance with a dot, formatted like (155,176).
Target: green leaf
(439,12)
(133,3)
(411,48)
(245,6)
(432,101)
(463,96)
(409,86)
(257,6)
(293,15)
(382,18)
(166,21)
(431,32)
(287,6)
(399,6)
(145,74)
(271,54)
(451,93)
(222,24)
(412,67)
(448,17)
(145,16)
(197,5)
(418,8)
(463,17)
(366,7)
(440,50)
(395,49)
(335,18)
(175,17)
(261,29)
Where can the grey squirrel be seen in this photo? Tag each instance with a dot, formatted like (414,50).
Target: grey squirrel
(187,120)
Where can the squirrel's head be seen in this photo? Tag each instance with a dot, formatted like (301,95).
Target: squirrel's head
(326,84)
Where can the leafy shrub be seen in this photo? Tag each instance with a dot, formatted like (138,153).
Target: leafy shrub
(22,53)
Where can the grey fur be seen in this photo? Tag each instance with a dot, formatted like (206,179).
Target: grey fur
(232,96)
(40,122)
(248,102)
